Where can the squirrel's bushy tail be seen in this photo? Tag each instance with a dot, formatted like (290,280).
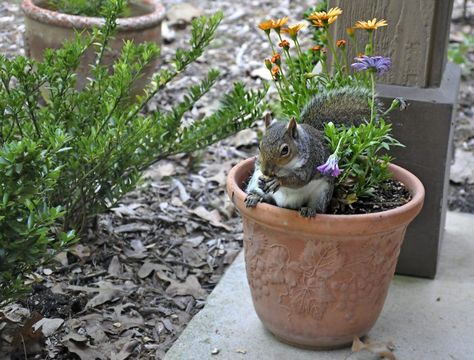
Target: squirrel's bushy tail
(343,106)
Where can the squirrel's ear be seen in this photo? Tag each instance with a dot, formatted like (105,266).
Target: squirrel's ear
(268,120)
(292,128)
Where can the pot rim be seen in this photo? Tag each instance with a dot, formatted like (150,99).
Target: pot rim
(358,224)
(56,18)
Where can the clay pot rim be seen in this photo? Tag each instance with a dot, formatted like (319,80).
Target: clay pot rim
(290,220)
(56,18)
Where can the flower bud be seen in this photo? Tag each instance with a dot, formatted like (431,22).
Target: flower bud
(276,59)
(276,72)
(268,64)
(284,44)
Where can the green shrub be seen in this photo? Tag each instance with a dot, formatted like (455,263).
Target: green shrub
(95,142)
(459,53)
(29,172)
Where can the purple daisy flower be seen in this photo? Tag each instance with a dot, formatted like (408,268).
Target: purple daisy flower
(330,167)
(378,64)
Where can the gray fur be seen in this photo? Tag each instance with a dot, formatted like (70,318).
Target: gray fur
(346,105)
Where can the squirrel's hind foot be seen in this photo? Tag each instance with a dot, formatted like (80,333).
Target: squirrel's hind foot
(308,212)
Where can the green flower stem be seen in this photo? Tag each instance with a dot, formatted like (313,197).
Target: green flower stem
(369,49)
(346,63)
(330,43)
(285,80)
(324,65)
(301,55)
(278,90)
(356,44)
(302,63)
(270,41)
(372,104)
(338,145)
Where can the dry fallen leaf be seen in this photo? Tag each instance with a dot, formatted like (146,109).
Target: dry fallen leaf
(245,137)
(190,287)
(106,292)
(62,258)
(132,227)
(81,251)
(213,217)
(382,350)
(15,313)
(114,266)
(48,326)
(195,241)
(137,251)
(84,351)
(159,171)
(26,337)
(148,267)
(126,351)
(183,194)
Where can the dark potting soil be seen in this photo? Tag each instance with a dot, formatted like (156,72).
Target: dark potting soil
(389,195)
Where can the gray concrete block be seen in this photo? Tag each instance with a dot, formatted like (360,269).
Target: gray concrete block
(425,319)
(425,128)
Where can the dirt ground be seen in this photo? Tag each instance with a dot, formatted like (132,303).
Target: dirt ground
(132,287)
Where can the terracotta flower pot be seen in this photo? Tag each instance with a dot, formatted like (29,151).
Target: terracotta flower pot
(49,29)
(319,282)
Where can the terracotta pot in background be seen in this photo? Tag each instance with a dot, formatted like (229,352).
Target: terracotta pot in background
(49,29)
(319,282)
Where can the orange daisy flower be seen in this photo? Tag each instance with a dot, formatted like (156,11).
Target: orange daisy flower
(273,24)
(370,24)
(323,18)
(267,25)
(292,30)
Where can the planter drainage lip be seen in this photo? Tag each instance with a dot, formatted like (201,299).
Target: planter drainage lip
(333,225)
(51,17)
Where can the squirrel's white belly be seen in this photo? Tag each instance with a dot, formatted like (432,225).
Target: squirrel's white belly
(308,195)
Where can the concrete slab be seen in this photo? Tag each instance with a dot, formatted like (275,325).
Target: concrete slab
(425,319)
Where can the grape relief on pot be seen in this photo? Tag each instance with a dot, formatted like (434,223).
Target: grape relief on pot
(322,275)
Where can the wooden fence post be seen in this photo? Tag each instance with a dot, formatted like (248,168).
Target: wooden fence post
(416,40)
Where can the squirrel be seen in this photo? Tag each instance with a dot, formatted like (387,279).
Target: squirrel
(285,171)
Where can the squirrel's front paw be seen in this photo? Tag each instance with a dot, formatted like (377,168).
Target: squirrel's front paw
(307,212)
(252,200)
(268,185)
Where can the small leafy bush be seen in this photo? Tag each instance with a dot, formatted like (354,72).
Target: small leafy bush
(29,172)
(72,153)
(461,53)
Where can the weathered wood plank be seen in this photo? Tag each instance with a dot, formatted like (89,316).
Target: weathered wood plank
(415,39)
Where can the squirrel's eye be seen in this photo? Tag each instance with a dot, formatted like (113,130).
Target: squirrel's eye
(285,150)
